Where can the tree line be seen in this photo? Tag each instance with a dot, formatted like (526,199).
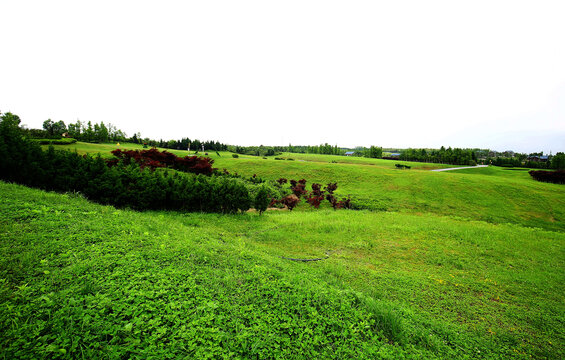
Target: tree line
(102,133)
(455,156)
(556,161)
(146,179)
(122,184)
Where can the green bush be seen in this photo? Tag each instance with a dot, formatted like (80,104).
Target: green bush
(262,199)
(62,141)
(235,156)
(121,185)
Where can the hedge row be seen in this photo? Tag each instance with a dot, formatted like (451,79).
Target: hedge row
(556,177)
(62,141)
(154,158)
(122,185)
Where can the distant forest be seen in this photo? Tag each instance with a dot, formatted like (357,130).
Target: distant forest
(101,133)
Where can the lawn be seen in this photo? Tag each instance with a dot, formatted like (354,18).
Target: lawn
(84,280)
(495,195)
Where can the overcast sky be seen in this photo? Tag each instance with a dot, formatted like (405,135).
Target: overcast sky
(487,74)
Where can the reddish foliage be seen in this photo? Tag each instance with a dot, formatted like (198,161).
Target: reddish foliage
(282,181)
(298,188)
(112,162)
(333,201)
(315,201)
(556,177)
(316,197)
(345,203)
(154,158)
(317,190)
(290,201)
(331,187)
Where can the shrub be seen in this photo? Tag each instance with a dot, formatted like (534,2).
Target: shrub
(330,188)
(345,203)
(317,189)
(62,141)
(315,200)
(121,184)
(154,158)
(556,177)
(262,200)
(290,201)
(255,179)
(235,156)
(298,187)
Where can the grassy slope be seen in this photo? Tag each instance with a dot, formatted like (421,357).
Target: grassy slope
(80,279)
(491,194)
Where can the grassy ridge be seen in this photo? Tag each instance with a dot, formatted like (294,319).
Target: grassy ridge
(83,280)
(495,195)
(80,279)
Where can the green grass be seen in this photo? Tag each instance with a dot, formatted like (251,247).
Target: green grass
(495,195)
(84,280)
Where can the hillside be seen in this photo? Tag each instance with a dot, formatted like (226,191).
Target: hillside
(80,279)
(495,195)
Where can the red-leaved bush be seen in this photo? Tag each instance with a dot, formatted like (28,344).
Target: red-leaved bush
(316,197)
(290,201)
(298,187)
(154,158)
(556,177)
(314,200)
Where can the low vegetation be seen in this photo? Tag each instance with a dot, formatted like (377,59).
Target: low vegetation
(556,177)
(82,280)
(460,264)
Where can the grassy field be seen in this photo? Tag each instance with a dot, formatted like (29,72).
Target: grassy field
(460,264)
(85,280)
(495,195)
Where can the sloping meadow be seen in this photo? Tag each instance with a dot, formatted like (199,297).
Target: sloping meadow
(86,280)
(495,195)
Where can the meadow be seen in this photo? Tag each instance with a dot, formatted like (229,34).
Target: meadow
(460,264)
(493,194)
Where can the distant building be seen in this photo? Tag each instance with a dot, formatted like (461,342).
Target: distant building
(349,153)
(536,158)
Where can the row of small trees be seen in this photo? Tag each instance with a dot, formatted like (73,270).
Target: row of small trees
(121,183)
(143,179)
(556,161)
(102,133)
(314,197)
(455,156)
(81,130)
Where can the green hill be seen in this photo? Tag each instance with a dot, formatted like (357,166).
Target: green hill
(85,280)
(459,264)
(495,195)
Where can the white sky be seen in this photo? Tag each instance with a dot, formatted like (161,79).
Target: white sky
(485,74)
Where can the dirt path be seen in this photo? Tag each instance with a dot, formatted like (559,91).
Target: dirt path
(459,168)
